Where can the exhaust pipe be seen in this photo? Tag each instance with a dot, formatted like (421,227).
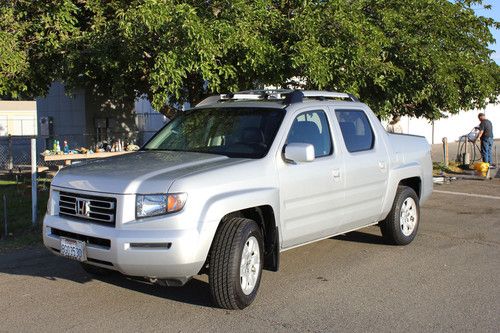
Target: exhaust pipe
(170,282)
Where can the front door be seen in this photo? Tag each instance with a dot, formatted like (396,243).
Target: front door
(311,193)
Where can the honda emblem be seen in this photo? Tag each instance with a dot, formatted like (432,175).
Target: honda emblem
(82,207)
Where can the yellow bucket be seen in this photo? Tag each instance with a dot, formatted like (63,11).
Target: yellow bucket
(481,168)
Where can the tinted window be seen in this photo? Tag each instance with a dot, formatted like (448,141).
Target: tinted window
(312,127)
(234,132)
(356,130)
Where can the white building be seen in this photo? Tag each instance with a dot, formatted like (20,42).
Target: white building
(452,127)
(18,118)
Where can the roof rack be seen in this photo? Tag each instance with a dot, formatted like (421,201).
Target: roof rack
(288,96)
(328,95)
(247,95)
(265,94)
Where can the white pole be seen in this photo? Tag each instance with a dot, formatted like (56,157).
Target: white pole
(496,156)
(6,231)
(33,182)
(432,131)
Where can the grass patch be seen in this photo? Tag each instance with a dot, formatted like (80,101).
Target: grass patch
(7,182)
(21,233)
(452,168)
(22,239)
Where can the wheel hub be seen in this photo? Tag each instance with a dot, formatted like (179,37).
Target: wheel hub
(408,217)
(250,265)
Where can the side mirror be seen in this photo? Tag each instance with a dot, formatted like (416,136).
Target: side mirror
(299,152)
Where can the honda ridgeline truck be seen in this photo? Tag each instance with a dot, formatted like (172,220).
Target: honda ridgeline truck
(227,186)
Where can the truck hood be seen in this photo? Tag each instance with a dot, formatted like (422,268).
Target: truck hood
(139,172)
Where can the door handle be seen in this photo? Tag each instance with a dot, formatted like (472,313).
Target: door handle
(381,165)
(336,174)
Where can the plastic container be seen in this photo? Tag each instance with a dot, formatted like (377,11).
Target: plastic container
(66,147)
(481,168)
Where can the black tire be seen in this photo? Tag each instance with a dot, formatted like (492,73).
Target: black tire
(95,270)
(225,261)
(391,227)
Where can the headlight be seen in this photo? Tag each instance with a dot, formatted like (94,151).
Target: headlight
(50,204)
(159,204)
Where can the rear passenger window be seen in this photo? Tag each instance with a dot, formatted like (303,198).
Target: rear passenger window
(312,127)
(356,130)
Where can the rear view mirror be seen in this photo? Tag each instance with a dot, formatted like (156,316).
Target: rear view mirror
(299,152)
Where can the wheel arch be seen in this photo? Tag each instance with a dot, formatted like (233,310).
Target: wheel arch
(407,175)
(414,183)
(260,206)
(264,216)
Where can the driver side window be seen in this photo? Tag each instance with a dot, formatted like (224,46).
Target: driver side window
(312,127)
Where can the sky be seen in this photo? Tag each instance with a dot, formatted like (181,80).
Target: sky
(495,14)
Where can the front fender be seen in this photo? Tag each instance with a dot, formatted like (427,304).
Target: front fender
(220,205)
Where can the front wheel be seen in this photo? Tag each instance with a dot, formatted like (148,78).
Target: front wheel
(401,225)
(235,266)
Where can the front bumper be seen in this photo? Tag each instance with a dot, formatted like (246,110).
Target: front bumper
(162,254)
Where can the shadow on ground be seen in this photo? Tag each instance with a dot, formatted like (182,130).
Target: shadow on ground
(39,262)
(362,237)
(195,292)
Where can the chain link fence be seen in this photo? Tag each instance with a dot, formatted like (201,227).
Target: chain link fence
(21,193)
(15,152)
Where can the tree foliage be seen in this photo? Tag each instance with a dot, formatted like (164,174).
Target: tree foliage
(33,42)
(415,57)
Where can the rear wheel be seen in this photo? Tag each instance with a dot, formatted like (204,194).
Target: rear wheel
(401,225)
(236,260)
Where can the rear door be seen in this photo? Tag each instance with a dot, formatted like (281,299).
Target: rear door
(366,171)
(311,193)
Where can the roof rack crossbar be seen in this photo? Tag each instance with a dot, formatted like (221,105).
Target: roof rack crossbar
(243,96)
(329,94)
(249,95)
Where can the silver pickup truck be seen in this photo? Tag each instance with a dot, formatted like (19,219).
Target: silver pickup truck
(225,187)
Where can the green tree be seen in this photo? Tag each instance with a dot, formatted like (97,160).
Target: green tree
(416,57)
(171,51)
(33,39)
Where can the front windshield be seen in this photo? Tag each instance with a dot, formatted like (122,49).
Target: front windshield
(230,131)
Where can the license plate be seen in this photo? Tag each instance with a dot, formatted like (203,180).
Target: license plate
(73,249)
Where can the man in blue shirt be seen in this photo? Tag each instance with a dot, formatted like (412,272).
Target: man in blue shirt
(486,137)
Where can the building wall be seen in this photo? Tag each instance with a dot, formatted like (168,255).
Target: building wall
(148,120)
(18,118)
(109,120)
(67,112)
(83,119)
(452,127)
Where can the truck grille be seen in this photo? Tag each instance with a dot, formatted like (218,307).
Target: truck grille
(87,207)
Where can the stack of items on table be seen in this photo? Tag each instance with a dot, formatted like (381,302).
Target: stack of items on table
(100,147)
